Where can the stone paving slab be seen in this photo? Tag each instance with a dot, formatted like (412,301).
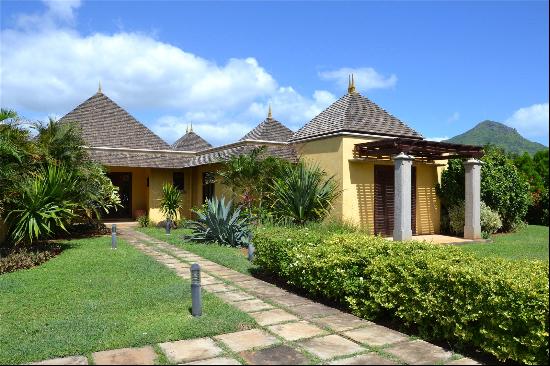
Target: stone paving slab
(376,335)
(234,296)
(331,346)
(313,310)
(288,300)
(463,361)
(215,361)
(419,352)
(72,360)
(219,287)
(248,339)
(250,306)
(275,316)
(126,356)
(190,350)
(279,355)
(366,359)
(342,322)
(297,330)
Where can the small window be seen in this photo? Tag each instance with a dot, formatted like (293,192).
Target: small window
(179,180)
(208,180)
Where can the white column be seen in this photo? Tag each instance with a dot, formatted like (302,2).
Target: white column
(402,197)
(472,188)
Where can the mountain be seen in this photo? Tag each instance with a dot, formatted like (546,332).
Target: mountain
(491,132)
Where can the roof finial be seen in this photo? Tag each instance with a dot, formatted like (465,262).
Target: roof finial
(269,114)
(99,87)
(187,128)
(351,84)
(191,128)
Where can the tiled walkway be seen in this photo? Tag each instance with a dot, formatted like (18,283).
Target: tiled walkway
(292,330)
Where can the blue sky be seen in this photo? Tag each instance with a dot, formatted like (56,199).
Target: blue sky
(441,67)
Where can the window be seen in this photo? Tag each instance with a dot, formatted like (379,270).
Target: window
(208,180)
(178,179)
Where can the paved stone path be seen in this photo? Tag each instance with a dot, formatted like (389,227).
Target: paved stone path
(292,330)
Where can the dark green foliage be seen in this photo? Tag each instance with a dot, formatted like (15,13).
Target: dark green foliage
(24,258)
(497,306)
(495,133)
(503,188)
(143,221)
(535,171)
(303,193)
(219,222)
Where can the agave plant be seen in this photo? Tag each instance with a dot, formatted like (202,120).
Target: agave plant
(171,201)
(219,222)
(303,194)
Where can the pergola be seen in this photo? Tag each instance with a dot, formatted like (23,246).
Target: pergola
(403,151)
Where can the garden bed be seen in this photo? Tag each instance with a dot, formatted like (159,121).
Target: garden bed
(13,259)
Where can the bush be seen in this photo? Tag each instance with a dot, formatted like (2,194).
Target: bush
(303,193)
(143,221)
(503,188)
(219,222)
(171,201)
(490,220)
(495,305)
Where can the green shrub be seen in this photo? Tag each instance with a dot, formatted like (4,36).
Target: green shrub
(303,193)
(25,257)
(495,305)
(170,201)
(503,188)
(219,222)
(490,220)
(143,221)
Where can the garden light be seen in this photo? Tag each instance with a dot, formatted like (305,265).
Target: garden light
(251,252)
(168,226)
(113,236)
(196,308)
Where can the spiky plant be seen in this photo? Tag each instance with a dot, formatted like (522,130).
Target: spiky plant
(221,223)
(303,193)
(171,201)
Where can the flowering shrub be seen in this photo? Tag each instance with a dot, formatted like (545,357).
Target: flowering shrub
(495,305)
(490,220)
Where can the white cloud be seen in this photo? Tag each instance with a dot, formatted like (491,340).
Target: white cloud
(366,78)
(54,68)
(438,139)
(531,121)
(454,117)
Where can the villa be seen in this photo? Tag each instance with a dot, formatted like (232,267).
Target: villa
(387,172)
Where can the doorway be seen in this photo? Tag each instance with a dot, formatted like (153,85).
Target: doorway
(384,184)
(124,183)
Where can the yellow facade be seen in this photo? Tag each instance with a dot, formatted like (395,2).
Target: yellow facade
(356,183)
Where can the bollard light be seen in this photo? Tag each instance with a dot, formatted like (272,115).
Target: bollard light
(113,236)
(168,226)
(251,250)
(196,302)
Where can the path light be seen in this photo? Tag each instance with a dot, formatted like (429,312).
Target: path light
(113,236)
(196,309)
(251,250)
(168,226)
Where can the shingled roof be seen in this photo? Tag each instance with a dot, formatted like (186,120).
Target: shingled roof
(191,142)
(354,113)
(224,153)
(269,130)
(105,124)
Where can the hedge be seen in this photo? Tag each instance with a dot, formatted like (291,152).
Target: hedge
(495,305)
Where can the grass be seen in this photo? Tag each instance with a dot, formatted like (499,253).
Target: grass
(91,298)
(530,242)
(233,258)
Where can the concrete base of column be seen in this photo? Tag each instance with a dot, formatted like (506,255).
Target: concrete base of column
(401,235)
(471,232)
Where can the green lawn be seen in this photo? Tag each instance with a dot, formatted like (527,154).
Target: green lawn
(528,243)
(92,298)
(233,258)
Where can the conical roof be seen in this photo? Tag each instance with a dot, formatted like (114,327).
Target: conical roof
(354,113)
(191,142)
(269,130)
(105,124)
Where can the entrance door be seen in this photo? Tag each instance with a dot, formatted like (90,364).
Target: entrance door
(384,199)
(124,183)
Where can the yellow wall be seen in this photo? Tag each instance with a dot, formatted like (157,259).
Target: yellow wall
(327,153)
(139,186)
(157,178)
(356,179)
(220,190)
